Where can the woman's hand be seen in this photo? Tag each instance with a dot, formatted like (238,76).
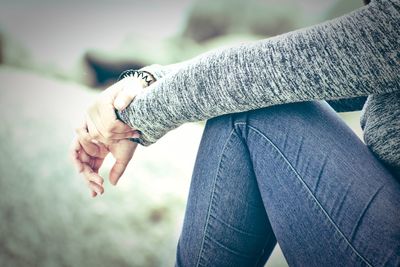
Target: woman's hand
(102,133)
(88,156)
(102,122)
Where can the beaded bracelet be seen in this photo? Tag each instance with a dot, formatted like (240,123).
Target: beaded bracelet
(144,75)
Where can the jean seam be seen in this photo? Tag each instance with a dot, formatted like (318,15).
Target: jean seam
(234,228)
(336,227)
(211,199)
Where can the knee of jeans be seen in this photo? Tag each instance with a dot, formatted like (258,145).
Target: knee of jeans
(294,118)
(275,120)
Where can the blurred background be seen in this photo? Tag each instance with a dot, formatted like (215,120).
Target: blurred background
(55,56)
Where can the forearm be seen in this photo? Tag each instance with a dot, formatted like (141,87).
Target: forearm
(339,105)
(354,55)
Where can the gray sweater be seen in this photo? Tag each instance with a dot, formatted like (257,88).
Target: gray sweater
(342,61)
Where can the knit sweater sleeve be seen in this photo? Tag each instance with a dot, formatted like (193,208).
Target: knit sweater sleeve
(339,105)
(351,56)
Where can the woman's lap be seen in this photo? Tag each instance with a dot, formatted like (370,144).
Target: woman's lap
(299,169)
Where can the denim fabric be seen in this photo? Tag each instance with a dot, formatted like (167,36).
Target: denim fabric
(295,174)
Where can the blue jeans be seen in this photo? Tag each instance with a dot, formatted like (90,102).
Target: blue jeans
(295,174)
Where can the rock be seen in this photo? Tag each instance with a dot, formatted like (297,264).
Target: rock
(105,71)
(209,19)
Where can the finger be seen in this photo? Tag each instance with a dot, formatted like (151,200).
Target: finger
(75,145)
(74,154)
(108,128)
(116,171)
(91,176)
(109,123)
(94,133)
(112,91)
(78,165)
(130,89)
(94,194)
(97,164)
(119,136)
(119,127)
(84,158)
(86,142)
(100,118)
(96,188)
(123,152)
(101,115)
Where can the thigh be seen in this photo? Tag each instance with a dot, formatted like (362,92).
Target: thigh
(329,200)
(225,222)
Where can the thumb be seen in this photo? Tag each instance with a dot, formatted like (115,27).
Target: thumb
(116,171)
(131,88)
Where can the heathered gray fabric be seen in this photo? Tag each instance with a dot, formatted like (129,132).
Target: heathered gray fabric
(352,56)
(339,105)
(380,121)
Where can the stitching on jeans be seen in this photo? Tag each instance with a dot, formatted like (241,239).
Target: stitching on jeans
(309,191)
(234,228)
(211,199)
(229,249)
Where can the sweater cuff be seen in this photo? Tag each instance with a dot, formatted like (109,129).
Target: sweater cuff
(155,71)
(144,140)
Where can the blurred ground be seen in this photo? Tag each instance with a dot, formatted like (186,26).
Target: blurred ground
(48,218)
(53,53)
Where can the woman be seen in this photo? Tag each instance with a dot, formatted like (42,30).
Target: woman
(275,162)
